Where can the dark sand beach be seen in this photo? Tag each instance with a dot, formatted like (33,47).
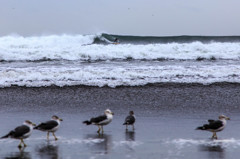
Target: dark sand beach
(166,118)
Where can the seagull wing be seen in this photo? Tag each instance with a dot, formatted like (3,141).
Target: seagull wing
(214,124)
(20,131)
(98,119)
(47,125)
(129,120)
(211,121)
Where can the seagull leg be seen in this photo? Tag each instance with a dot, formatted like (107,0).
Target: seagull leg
(214,135)
(99,129)
(54,136)
(48,135)
(133,127)
(126,126)
(23,143)
(102,129)
(20,144)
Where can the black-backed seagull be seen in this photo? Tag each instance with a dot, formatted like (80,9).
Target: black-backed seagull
(50,126)
(130,120)
(21,132)
(215,125)
(101,120)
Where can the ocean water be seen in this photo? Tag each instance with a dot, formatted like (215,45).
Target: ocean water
(94,60)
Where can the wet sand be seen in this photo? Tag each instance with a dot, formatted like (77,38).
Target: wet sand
(167,115)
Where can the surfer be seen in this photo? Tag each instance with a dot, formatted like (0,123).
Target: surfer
(116,41)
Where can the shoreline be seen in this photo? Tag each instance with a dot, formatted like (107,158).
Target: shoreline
(165,84)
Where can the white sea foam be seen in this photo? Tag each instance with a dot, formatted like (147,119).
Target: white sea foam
(130,144)
(117,75)
(69,47)
(70,140)
(61,62)
(224,143)
(82,141)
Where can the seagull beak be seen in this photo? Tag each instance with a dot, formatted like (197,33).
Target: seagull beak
(60,120)
(112,113)
(228,118)
(34,124)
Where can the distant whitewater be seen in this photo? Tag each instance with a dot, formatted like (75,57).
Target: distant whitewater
(96,60)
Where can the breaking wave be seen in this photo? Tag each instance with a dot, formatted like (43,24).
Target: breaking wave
(101,47)
(95,60)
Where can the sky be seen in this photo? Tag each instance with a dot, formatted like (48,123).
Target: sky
(122,17)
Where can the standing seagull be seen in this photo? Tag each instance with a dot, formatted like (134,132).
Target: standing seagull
(101,120)
(130,120)
(21,132)
(50,126)
(215,125)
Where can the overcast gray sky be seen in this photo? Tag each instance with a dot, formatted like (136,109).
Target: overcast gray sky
(125,17)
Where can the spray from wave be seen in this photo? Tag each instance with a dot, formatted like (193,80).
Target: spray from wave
(101,47)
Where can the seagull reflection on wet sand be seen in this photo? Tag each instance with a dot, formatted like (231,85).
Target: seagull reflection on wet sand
(21,154)
(47,151)
(214,151)
(100,147)
(129,135)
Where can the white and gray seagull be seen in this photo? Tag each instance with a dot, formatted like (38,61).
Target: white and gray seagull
(21,132)
(215,125)
(50,126)
(101,120)
(130,120)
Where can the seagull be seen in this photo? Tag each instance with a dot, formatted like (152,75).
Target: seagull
(101,120)
(50,126)
(215,125)
(130,120)
(21,132)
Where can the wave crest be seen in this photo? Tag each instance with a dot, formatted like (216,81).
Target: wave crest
(100,47)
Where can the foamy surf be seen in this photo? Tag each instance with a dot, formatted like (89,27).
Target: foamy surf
(130,144)
(69,141)
(93,60)
(115,74)
(224,143)
(90,141)
(84,48)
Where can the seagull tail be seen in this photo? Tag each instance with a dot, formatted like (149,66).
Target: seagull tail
(125,123)
(36,127)
(87,122)
(6,136)
(200,128)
